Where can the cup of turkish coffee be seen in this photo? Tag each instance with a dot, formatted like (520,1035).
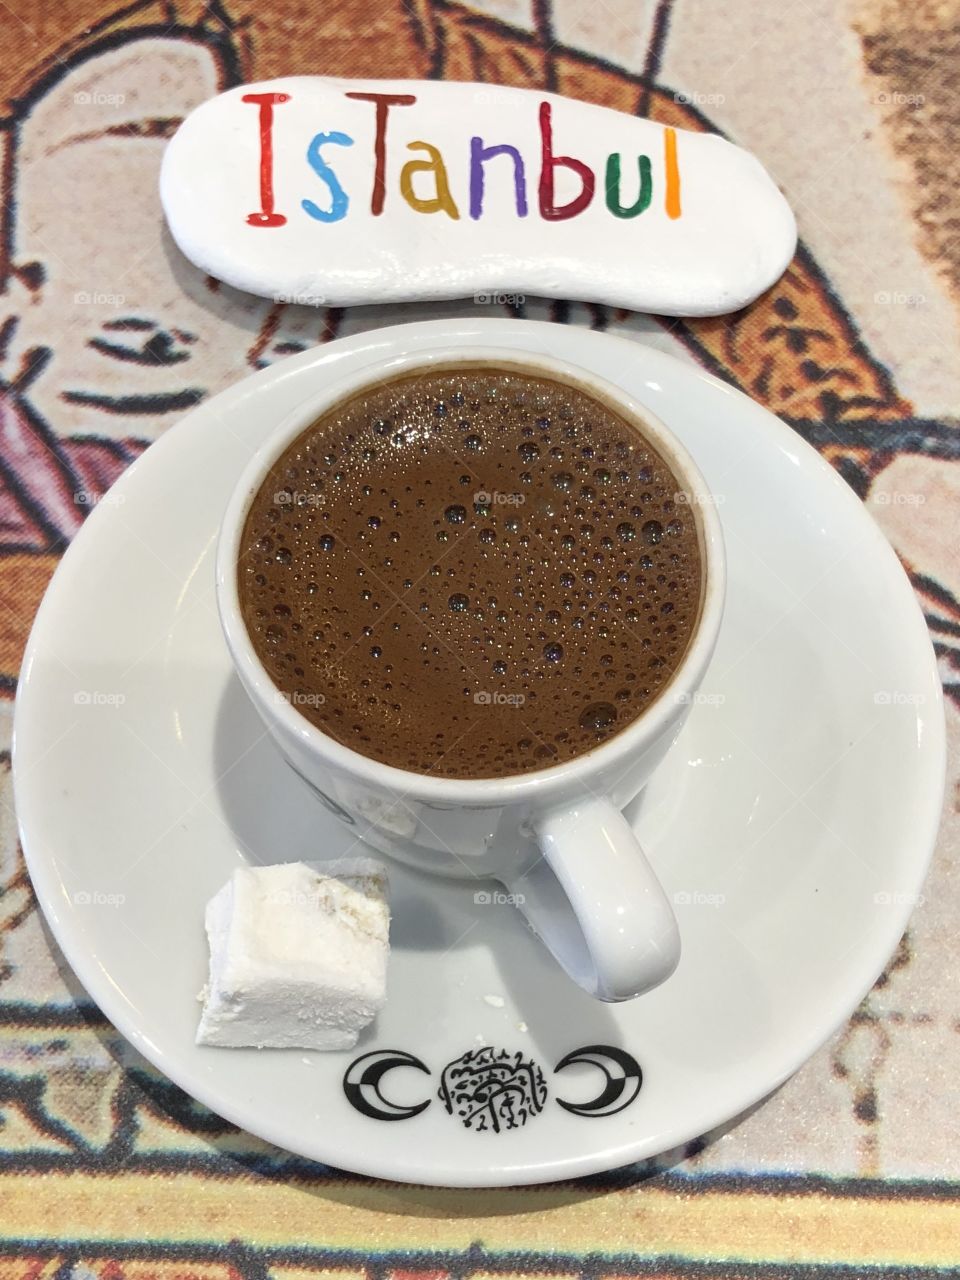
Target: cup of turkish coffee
(472,594)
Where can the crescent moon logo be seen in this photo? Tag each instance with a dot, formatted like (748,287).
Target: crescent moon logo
(623,1079)
(361,1084)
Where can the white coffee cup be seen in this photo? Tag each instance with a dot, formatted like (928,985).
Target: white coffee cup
(555,838)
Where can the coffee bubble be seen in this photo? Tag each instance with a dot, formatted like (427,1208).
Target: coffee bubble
(599,717)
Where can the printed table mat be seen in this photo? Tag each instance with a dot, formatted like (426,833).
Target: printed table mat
(853,1167)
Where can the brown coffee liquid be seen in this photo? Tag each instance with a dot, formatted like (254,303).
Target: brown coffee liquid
(471,572)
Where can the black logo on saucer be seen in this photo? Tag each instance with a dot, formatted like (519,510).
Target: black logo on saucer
(361,1084)
(623,1074)
(490,1090)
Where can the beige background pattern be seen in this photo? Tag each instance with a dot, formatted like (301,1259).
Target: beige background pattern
(852,105)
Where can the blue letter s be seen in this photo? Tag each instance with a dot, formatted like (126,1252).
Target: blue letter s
(339,200)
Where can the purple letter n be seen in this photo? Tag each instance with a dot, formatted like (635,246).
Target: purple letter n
(478,154)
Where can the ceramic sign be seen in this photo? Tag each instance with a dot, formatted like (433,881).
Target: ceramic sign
(323,191)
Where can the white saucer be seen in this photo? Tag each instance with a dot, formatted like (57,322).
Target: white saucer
(791,824)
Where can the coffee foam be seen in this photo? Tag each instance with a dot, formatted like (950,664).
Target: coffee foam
(472,572)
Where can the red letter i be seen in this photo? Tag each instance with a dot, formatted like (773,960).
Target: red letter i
(265,215)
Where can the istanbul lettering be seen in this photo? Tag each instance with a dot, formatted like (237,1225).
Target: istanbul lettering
(429,162)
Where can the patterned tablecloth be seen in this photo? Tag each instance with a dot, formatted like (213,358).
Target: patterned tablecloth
(105,1167)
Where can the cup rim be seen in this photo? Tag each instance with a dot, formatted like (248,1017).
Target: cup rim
(641,731)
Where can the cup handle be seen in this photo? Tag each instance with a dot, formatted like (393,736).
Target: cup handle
(595,903)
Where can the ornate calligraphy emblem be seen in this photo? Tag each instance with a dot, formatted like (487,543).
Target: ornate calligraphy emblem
(491,1089)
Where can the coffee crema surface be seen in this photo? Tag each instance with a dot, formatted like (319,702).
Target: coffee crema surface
(471,572)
